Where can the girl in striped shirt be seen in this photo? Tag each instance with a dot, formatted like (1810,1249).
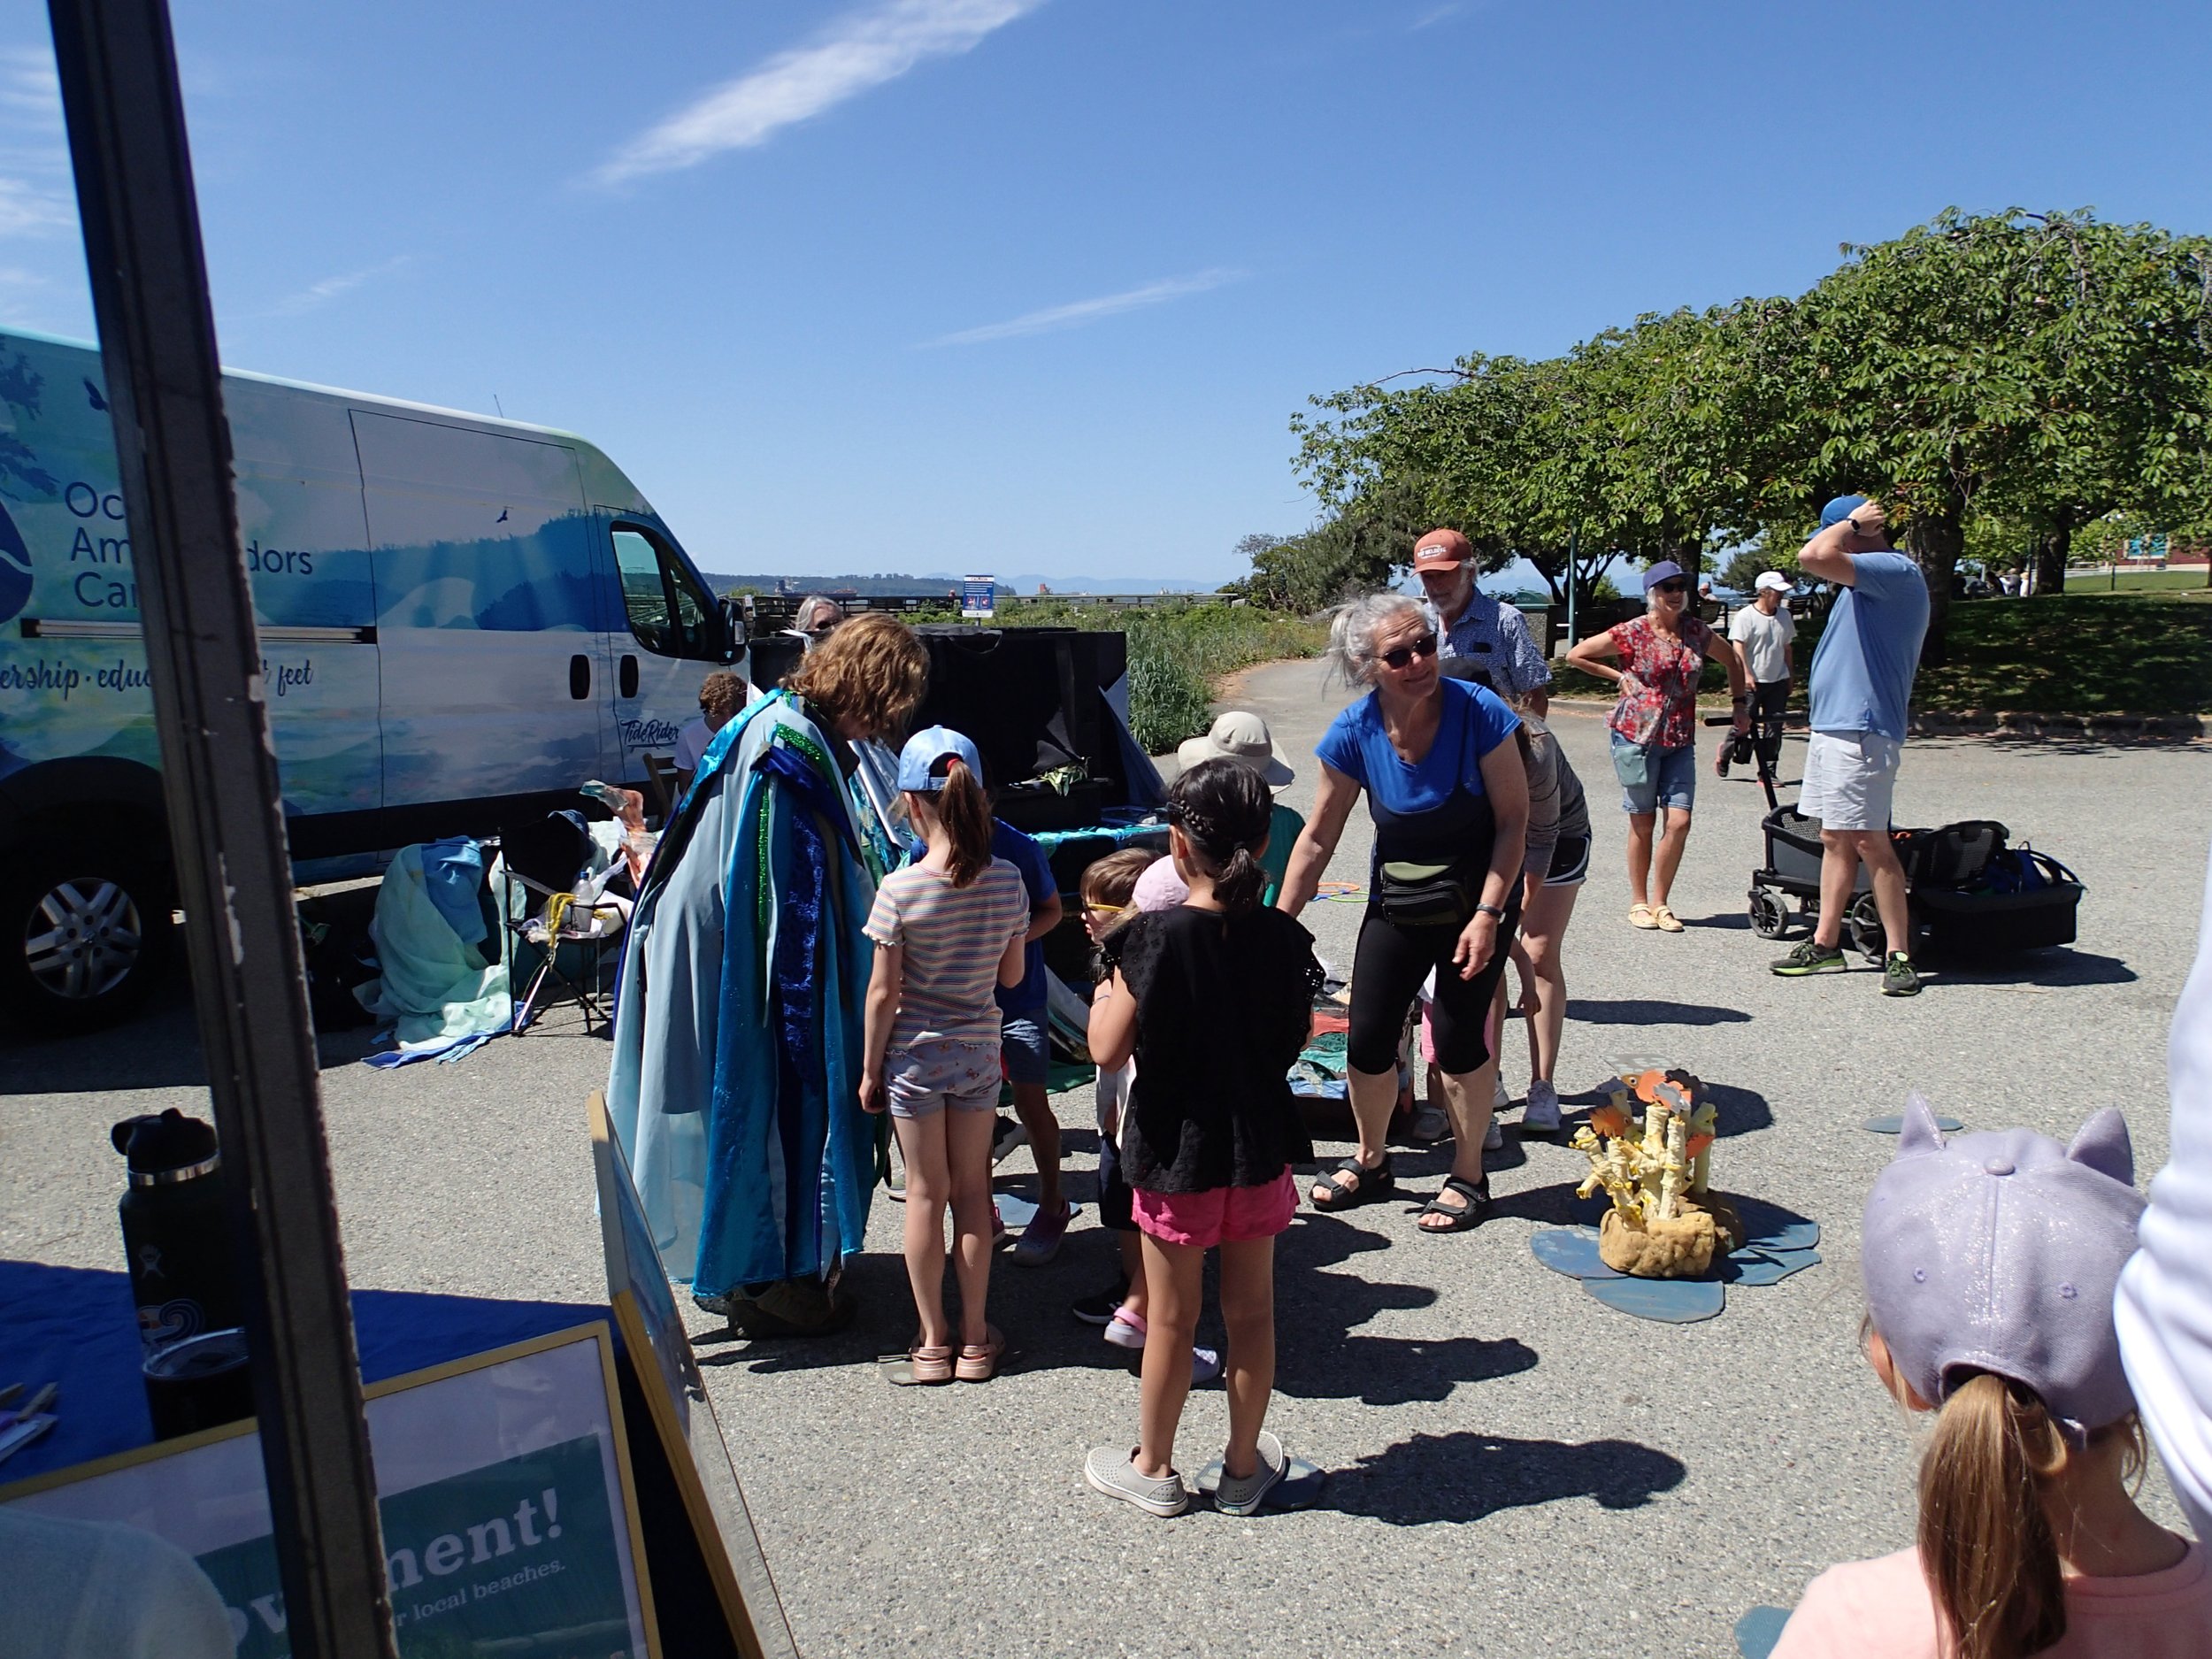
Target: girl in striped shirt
(948,929)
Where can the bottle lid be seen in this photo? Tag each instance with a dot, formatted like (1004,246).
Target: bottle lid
(167,1148)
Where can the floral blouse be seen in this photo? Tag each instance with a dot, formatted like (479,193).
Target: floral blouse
(1658,702)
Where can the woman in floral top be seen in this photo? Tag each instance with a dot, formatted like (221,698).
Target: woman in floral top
(1660,656)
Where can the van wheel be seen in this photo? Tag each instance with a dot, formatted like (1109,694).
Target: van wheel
(83,936)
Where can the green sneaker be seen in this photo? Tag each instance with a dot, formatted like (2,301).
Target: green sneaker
(1898,976)
(1810,957)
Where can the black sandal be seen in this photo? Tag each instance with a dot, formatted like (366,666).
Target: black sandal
(1375,1181)
(1463,1220)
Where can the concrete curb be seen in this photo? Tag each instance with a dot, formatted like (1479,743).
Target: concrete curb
(2105,728)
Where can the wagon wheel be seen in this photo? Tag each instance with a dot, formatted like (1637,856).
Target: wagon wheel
(1768,918)
(1862,922)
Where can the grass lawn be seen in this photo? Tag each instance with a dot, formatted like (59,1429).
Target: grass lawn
(2075,653)
(2085,652)
(2189,583)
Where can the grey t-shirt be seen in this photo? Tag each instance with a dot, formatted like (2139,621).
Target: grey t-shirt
(1765,640)
(1556,806)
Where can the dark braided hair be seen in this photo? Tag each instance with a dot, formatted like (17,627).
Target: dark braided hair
(1223,808)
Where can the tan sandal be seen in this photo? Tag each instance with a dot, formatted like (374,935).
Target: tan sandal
(979,1360)
(1640,916)
(931,1362)
(1664,919)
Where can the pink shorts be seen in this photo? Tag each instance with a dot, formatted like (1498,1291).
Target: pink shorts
(1220,1214)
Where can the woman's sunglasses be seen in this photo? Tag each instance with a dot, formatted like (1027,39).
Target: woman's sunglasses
(1425,646)
(1672,587)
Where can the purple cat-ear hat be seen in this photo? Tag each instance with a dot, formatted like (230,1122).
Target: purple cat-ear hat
(2000,1252)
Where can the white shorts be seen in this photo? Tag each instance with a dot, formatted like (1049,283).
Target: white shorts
(1849,779)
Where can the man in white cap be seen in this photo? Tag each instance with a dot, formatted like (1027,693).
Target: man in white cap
(1242,737)
(1479,637)
(1762,630)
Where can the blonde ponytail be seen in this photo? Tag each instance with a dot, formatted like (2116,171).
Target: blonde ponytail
(1985,1541)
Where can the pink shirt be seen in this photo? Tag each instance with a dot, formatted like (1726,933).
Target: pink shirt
(1882,1610)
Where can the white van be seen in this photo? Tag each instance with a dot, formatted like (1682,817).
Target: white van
(461,621)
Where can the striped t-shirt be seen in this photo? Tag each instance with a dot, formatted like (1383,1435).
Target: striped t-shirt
(953,939)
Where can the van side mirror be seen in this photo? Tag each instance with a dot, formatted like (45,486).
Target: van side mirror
(733,629)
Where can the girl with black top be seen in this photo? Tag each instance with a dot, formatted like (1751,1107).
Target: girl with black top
(1215,999)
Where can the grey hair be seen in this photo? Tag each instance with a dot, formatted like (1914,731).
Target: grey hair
(806,607)
(1352,630)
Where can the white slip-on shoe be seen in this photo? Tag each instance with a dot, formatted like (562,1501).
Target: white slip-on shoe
(1114,1472)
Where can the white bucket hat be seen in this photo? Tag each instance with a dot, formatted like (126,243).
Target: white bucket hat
(1241,736)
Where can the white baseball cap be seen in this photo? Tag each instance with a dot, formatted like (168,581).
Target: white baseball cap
(1772,582)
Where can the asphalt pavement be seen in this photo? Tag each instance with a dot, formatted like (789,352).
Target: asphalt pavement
(1513,1467)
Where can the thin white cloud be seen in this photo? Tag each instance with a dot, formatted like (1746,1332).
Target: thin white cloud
(1436,15)
(860,50)
(36,196)
(1054,318)
(319,294)
(29,84)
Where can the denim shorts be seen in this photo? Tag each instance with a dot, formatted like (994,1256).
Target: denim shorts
(923,1079)
(1672,781)
(1023,1037)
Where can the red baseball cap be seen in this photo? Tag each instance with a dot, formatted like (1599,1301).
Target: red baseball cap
(1441,551)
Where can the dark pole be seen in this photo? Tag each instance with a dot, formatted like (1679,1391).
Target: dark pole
(141,235)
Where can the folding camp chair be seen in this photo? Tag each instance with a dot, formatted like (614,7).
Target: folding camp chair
(667,785)
(562,907)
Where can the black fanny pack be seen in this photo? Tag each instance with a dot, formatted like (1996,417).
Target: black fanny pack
(1418,894)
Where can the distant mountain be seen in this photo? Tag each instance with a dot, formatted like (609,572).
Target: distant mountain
(883,586)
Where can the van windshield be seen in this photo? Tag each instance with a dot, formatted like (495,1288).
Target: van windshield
(668,610)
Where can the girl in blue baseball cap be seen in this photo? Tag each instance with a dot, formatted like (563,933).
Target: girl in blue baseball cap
(949,929)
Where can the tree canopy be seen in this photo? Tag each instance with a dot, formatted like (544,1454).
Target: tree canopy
(2043,370)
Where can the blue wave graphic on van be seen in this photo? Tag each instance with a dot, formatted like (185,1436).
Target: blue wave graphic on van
(15,569)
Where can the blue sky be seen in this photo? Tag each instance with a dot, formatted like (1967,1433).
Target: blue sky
(1034,285)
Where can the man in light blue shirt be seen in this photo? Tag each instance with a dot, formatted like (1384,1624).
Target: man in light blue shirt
(1862,692)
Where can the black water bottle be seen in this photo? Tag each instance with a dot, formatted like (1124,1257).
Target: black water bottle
(175,1234)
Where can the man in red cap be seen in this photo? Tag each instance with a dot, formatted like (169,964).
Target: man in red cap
(1479,638)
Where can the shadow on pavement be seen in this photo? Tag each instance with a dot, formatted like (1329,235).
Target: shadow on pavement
(2053,968)
(1466,1476)
(156,1048)
(1738,1111)
(1647,1012)
(1727,921)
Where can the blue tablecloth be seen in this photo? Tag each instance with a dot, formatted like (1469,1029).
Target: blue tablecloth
(78,1327)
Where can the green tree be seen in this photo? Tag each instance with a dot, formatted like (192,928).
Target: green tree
(1999,357)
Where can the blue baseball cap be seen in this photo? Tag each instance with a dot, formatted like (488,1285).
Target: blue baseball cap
(918,761)
(1664,571)
(1837,511)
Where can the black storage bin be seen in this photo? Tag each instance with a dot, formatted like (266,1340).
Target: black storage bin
(1959,923)
(1032,700)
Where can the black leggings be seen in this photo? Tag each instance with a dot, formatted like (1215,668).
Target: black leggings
(1386,974)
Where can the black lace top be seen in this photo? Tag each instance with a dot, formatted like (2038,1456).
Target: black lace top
(1224,1005)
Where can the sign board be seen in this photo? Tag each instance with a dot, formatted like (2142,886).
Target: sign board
(2147,547)
(668,1374)
(503,1483)
(979,597)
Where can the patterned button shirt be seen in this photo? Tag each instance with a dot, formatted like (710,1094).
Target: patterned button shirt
(1496,638)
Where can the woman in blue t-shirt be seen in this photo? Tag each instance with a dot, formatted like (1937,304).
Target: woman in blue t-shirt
(1449,799)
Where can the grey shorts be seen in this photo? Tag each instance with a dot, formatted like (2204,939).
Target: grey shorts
(925,1078)
(1849,779)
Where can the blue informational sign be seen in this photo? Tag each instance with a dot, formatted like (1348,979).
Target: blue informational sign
(977,597)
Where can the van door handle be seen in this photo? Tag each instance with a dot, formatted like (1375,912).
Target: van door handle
(629,676)
(579,678)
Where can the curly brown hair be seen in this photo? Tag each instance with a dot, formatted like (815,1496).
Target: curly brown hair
(872,670)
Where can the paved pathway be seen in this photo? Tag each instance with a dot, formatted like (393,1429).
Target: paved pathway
(1510,1457)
